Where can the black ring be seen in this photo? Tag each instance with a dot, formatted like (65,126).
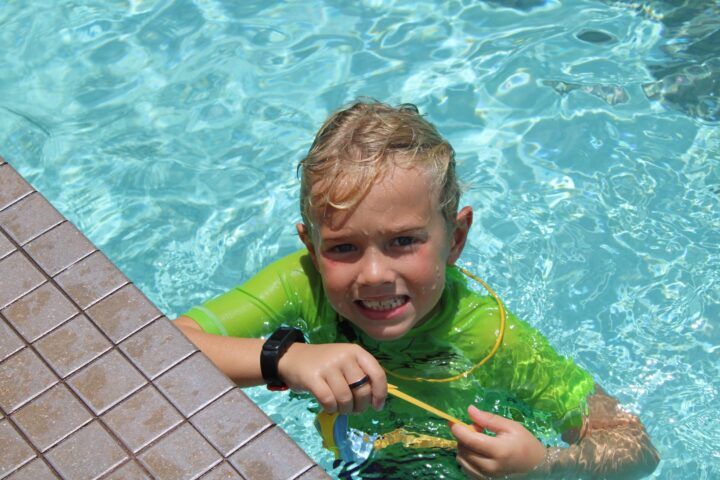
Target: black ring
(359,383)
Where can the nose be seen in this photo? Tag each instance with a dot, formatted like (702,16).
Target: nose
(375,269)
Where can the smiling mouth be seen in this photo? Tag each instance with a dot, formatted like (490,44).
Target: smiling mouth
(385,304)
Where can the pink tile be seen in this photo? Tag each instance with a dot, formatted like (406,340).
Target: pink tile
(142,417)
(6,247)
(87,453)
(91,279)
(9,341)
(129,471)
(157,347)
(74,344)
(59,248)
(17,277)
(29,217)
(12,186)
(224,471)
(193,384)
(23,376)
(315,473)
(231,421)
(51,417)
(163,461)
(123,313)
(35,470)
(15,450)
(40,311)
(262,458)
(106,381)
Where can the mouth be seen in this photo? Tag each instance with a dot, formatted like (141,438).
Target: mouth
(384,305)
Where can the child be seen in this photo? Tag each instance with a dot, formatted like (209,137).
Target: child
(376,294)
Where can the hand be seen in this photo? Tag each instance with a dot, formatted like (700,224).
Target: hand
(326,370)
(513,450)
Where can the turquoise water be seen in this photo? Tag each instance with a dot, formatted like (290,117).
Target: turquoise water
(587,133)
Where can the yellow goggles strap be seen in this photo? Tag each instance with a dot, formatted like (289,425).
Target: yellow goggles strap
(498,341)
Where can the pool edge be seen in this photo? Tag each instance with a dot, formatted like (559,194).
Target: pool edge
(79,342)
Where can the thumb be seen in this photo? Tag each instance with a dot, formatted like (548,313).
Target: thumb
(490,421)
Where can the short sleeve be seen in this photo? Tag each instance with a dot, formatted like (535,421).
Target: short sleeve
(285,292)
(528,366)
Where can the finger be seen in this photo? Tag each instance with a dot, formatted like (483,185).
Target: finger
(324,395)
(487,420)
(362,396)
(477,442)
(343,396)
(469,469)
(378,380)
(489,467)
(480,462)
(365,380)
(359,385)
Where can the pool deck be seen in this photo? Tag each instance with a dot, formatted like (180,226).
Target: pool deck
(96,383)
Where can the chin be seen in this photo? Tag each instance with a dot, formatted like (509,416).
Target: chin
(385,333)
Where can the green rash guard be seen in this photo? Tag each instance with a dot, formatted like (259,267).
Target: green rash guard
(526,380)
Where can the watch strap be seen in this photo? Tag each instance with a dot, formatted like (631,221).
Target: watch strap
(273,349)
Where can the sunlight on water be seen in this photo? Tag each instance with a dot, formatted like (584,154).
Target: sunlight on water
(586,132)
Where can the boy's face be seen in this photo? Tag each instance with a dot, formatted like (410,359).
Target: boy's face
(382,263)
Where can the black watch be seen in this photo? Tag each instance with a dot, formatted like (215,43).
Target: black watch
(275,347)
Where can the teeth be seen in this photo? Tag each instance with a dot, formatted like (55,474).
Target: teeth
(387,304)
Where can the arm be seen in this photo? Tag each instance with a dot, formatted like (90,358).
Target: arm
(612,443)
(238,358)
(229,330)
(325,370)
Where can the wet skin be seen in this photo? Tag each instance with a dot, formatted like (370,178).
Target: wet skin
(383,262)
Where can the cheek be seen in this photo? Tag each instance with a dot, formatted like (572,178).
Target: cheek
(427,274)
(337,279)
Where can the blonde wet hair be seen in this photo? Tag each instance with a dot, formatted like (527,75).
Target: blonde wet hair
(360,143)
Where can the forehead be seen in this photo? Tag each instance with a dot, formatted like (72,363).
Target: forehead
(402,195)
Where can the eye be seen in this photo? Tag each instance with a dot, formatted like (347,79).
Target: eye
(342,248)
(404,241)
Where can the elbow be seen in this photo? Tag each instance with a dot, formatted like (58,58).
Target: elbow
(645,460)
(186,324)
(651,460)
(189,328)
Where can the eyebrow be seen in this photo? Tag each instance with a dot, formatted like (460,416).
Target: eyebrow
(399,230)
(404,230)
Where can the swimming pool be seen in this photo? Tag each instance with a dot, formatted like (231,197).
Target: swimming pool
(587,133)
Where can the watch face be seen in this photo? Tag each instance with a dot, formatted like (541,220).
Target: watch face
(274,348)
(279,334)
(271,345)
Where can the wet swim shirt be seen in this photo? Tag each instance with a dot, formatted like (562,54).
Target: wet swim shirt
(525,380)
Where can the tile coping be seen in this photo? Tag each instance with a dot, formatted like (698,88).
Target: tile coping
(88,363)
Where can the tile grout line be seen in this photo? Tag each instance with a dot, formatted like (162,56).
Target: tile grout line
(115,346)
(10,415)
(7,414)
(61,380)
(2,209)
(149,382)
(303,472)
(37,235)
(271,424)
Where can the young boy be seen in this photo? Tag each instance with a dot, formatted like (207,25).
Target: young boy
(376,295)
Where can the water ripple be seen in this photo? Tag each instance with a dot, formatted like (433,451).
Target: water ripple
(169,131)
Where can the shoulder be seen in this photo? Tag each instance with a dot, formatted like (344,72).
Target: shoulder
(295,267)
(296,261)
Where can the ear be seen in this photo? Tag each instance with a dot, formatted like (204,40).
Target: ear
(463,222)
(305,237)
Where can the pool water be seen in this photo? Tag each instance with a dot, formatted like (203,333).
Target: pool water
(586,133)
